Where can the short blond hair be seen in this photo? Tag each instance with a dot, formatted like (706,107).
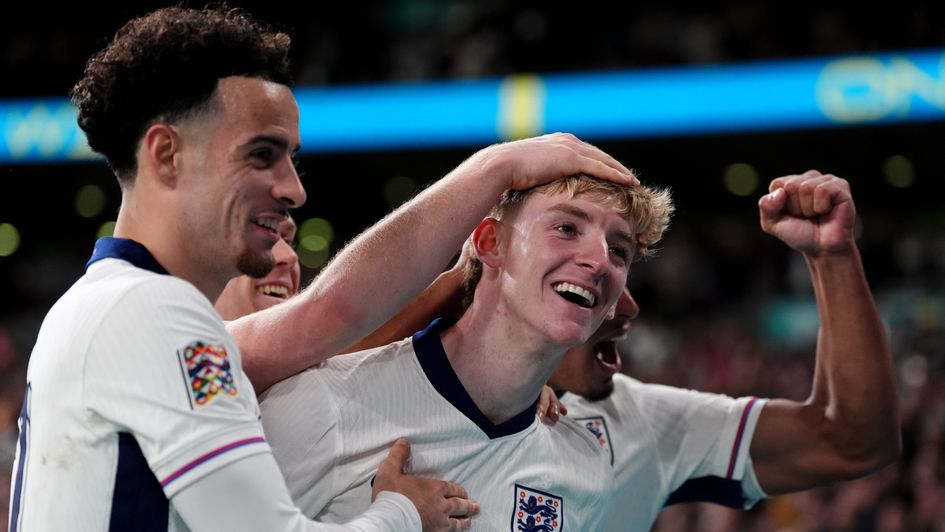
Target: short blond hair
(648,209)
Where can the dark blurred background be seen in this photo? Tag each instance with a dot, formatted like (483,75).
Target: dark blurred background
(724,307)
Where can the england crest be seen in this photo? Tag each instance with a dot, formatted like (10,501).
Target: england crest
(537,511)
(207,372)
(598,427)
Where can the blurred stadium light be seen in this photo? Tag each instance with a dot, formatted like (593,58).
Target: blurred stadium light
(769,95)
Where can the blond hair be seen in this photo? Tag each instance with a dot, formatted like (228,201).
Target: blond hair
(648,210)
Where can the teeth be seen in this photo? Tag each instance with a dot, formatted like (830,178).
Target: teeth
(577,290)
(268,223)
(274,290)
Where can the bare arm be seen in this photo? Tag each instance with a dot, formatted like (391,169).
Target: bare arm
(442,298)
(849,426)
(389,264)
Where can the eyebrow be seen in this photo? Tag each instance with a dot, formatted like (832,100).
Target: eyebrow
(278,142)
(578,212)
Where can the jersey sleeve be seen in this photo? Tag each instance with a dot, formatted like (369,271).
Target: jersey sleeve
(703,441)
(255,498)
(299,415)
(162,368)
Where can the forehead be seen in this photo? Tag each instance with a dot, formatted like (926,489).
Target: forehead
(250,107)
(591,206)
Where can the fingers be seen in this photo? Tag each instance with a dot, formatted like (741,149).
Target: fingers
(807,195)
(595,161)
(460,524)
(453,489)
(396,458)
(462,507)
(549,409)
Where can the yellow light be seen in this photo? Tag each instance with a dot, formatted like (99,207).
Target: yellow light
(316,226)
(9,240)
(312,259)
(89,201)
(314,243)
(315,236)
(106,229)
(899,171)
(740,179)
(398,190)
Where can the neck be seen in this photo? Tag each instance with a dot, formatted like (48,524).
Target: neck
(501,364)
(171,246)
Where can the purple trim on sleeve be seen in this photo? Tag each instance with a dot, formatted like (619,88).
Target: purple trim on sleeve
(229,447)
(738,437)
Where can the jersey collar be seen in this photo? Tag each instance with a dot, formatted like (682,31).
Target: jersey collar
(436,366)
(127,250)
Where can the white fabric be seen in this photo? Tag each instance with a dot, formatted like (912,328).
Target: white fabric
(660,437)
(332,425)
(250,489)
(110,384)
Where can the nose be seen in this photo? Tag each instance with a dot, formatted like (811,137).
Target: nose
(626,305)
(594,254)
(283,253)
(288,187)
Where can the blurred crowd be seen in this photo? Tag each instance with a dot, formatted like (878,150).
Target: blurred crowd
(724,308)
(734,314)
(410,40)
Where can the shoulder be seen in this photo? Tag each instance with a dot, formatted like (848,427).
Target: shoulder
(577,437)
(119,286)
(343,372)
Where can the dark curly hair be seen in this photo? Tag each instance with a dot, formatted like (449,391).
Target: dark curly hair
(165,66)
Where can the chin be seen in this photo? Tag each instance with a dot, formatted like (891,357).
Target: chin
(570,335)
(599,392)
(256,265)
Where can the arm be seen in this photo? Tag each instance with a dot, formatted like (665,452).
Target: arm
(388,265)
(252,496)
(849,426)
(442,298)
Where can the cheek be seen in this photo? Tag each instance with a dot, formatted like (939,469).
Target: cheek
(296,277)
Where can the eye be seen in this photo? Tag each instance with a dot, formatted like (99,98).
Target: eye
(567,229)
(620,252)
(297,163)
(264,156)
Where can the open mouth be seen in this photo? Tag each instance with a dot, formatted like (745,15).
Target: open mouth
(273,290)
(575,294)
(269,224)
(608,356)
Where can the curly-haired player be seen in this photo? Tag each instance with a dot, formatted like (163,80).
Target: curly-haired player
(138,414)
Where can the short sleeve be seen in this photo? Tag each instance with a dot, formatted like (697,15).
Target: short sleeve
(161,367)
(703,442)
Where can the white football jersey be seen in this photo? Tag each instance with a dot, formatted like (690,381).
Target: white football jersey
(330,427)
(135,390)
(670,445)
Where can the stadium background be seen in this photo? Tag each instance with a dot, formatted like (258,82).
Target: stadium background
(724,307)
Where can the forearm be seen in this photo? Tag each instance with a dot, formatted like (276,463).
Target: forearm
(442,298)
(374,277)
(251,495)
(854,382)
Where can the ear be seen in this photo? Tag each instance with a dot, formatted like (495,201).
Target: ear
(160,147)
(485,241)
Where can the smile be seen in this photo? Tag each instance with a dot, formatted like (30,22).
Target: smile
(273,290)
(575,294)
(271,224)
